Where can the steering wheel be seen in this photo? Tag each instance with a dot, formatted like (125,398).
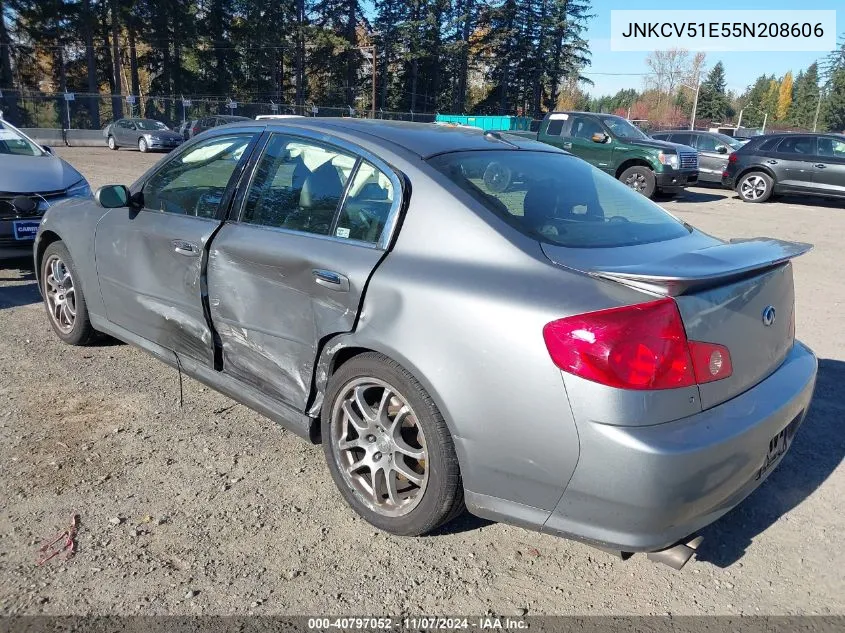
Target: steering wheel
(618,219)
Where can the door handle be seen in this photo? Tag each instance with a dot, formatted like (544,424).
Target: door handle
(821,166)
(330,279)
(772,161)
(567,145)
(183,247)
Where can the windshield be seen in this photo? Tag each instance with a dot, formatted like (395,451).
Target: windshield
(622,128)
(559,199)
(150,124)
(13,142)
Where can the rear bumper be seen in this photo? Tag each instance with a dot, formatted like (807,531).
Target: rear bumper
(675,180)
(646,488)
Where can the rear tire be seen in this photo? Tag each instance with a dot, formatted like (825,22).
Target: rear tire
(376,416)
(111,143)
(755,186)
(639,178)
(63,298)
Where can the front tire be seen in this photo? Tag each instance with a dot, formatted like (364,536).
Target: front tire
(142,145)
(639,178)
(388,448)
(755,186)
(111,142)
(63,297)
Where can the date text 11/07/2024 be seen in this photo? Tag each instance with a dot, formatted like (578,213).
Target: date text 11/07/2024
(426,623)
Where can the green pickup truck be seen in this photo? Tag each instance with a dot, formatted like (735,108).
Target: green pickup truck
(622,150)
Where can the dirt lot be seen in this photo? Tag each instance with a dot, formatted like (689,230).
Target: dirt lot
(210,508)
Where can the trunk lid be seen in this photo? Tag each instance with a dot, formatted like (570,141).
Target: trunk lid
(739,294)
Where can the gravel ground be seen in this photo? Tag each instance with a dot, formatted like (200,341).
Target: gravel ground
(210,508)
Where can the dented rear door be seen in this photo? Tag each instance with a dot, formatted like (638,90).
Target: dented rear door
(291,271)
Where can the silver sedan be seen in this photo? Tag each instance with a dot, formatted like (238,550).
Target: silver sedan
(560,353)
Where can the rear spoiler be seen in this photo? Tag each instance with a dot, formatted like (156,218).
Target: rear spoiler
(706,267)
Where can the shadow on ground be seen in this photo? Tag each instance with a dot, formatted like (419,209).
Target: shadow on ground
(817,450)
(17,294)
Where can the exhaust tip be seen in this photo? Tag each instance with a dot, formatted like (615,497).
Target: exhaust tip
(678,555)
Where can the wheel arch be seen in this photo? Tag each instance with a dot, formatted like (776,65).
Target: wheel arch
(749,169)
(338,351)
(46,238)
(633,162)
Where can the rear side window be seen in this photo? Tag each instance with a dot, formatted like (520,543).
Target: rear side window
(804,145)
(683,139)
(769,144)
(298,185)
(558,199)
(555,127)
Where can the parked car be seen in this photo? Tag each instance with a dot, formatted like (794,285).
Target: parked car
(206,123)
(264,117)
(713,150)
(811,164)
(185,128)
(145,134)
(622,150)
(32,179)
(562,356)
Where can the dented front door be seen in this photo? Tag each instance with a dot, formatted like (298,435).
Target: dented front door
(150,261)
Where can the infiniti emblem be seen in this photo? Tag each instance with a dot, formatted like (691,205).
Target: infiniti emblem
(768,315)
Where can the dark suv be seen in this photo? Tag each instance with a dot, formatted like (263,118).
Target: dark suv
(811,164)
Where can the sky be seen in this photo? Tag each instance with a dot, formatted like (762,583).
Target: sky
(614,71)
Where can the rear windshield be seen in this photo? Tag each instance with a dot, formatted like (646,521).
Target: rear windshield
(559,199)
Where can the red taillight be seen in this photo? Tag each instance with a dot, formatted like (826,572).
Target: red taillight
(733,158)
(643,346)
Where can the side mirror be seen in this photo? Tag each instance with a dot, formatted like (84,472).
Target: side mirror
(721,149)
(132,126)
(112,196)
(47,149)
(600,137)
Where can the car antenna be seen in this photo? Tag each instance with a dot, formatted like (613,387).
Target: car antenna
(498,136)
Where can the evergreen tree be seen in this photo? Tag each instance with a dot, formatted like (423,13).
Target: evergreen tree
(713,102)
(805,98)
(835,102)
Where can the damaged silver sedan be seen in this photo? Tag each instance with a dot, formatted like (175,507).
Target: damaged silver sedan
(559,353)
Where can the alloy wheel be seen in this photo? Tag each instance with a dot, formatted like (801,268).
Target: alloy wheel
(636,182)
(379,446)
(753,187)
(60,294)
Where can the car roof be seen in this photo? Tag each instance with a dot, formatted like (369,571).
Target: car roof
(423,139)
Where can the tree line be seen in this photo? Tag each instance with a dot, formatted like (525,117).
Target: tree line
(814,98)
(484,56)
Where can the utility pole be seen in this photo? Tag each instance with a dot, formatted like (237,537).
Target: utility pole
(375,74)
(765,118)
(818,109)
(695,102)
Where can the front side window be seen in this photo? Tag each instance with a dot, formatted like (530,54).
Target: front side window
(582,127)
(707,143)
(622,128)
(559,199)
(298,185)
(832,147)
(195,182)
(150,125)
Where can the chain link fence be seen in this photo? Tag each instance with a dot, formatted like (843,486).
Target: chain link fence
(80,111)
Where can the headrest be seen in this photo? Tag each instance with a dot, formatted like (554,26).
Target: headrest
(322,188)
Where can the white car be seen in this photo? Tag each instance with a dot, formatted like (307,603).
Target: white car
(261,117)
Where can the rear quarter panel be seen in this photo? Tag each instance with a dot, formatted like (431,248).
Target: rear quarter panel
(462,308)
